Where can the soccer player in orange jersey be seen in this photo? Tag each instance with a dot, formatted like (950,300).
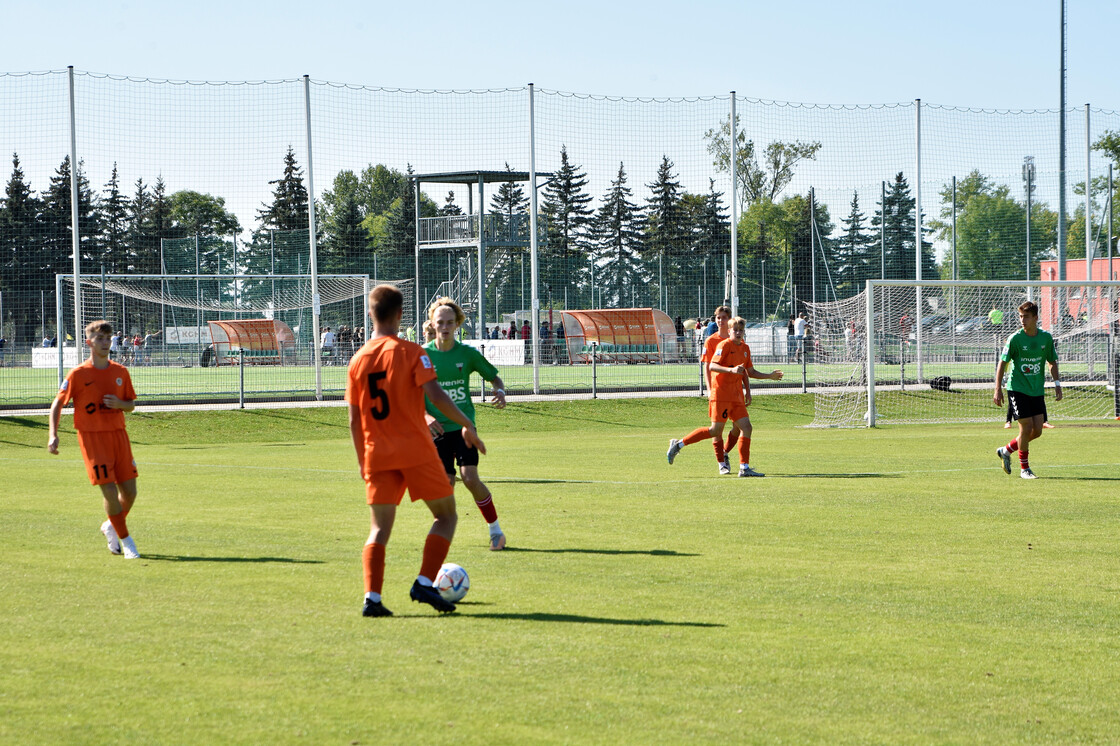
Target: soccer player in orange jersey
(723,316)
(102,392)
(729,397)
(385,387)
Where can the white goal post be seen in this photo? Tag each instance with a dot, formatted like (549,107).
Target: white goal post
(907,351)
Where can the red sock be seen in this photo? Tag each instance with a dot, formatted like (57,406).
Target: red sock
(729,447)
(486,505)
(119,525)
(373,565)
(717,445)
(1013,446)
(696,436)
(744,450)
(1023,460)
(435,552)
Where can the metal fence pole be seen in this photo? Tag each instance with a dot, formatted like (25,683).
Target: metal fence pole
(918,230)
(314,263)
(75,229)
(241,378)
(734,214)
(594,371)
(534,274)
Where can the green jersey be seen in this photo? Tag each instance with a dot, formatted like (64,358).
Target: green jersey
(453,371)
(1027,356)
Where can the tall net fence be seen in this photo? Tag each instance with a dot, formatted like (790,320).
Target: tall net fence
(636,200)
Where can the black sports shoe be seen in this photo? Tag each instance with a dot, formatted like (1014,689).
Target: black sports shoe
(428,595)
(374,608)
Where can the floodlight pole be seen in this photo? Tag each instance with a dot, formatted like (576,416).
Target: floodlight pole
(534,277)
(315,302)
(75,233)
(734,213)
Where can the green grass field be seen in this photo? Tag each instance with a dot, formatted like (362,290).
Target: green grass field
(880,586)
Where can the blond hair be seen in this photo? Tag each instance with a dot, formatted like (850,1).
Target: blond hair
(429,330)
(737,323)
(439,303)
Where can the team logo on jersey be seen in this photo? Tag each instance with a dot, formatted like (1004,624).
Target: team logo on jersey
(120,381)
(65,385)
(426,362)
(459,366)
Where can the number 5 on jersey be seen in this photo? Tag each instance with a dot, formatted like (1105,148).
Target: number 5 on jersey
(380,410)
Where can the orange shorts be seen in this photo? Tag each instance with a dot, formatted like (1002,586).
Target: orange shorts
(722,411)
(426,481)
(108,456)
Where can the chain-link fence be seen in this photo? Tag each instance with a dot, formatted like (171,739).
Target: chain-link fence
(635,198)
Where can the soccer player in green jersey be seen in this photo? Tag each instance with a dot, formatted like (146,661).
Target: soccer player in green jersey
(1026,350)
(454,363)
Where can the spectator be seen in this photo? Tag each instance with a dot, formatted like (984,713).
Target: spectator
(561,347)
(326,341)
(3,344)
(790,331)
(526,330)
(114,345)
(149,342)
(712,328)
(800,324)
(546,343)
(513,330)
(126,349)
(678,326)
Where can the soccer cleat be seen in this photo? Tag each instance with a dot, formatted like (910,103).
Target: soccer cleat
(675,447)
(725,467)
(1007,426)
(374,608)
(746,471)
(1027,474)
(111,537)
(1047,426)
(129,548)
(497,542)
(1005,454)
(426,594)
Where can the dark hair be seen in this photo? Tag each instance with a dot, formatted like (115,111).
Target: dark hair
(1029,307)
(385,301)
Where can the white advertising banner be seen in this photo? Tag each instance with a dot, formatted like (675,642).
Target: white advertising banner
(186,335)
(47,357)
(500,351)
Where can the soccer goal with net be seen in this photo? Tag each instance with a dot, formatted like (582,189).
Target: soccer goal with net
(904,351)
(184,321)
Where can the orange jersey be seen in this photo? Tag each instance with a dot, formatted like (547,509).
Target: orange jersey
(729,386)
(87,387)
(385,382)
(710,345)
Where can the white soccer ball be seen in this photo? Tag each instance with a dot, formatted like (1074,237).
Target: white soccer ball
(452,582)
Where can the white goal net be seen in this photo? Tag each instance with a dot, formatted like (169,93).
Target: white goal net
(908,352)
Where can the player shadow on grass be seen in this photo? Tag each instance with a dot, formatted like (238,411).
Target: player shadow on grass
(1086,479)
(580,619)
(647,552)
(189,558)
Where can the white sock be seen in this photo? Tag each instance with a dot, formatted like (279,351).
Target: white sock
(423,581)
(375,597)
(494,528)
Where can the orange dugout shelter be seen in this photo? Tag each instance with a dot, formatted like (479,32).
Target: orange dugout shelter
(620,335)
(262,341)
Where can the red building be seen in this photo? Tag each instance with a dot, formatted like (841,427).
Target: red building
(1079,301)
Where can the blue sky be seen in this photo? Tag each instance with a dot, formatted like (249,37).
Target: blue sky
(991,53)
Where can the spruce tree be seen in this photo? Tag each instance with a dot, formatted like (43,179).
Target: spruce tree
(897,219)
(449,206)
(667,230)
(114,226)
(618,269)
(566,214)
(853,252)
(20,238)
(289,208)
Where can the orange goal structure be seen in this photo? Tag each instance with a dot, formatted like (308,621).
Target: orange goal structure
(631,335)
(257,341)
